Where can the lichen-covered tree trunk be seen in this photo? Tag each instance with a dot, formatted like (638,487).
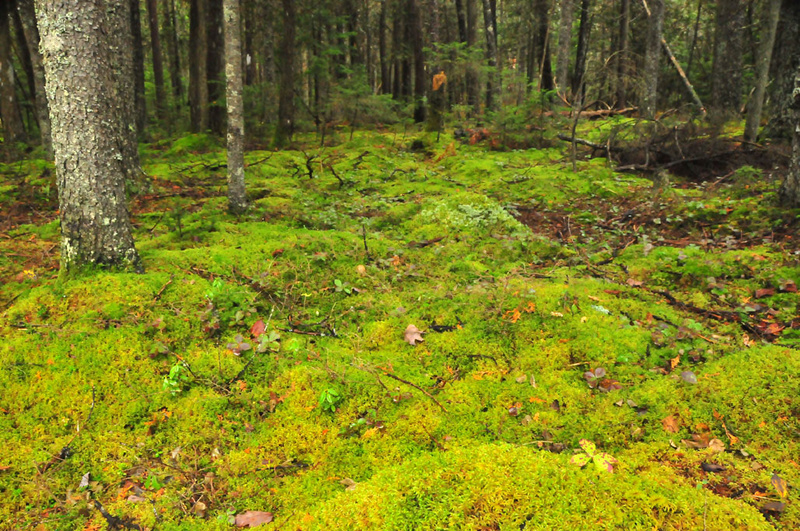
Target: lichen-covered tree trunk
(726,72)
(652,59)
(790,189)
(237,200)
(564,46)
(13,127)
(86,114)
(27,15)
(785,61)
(285,126)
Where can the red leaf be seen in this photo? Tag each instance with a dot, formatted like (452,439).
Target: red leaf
(764,292)
(252,519)
(258,328)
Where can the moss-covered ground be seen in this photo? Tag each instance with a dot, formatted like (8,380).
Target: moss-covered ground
(151,397)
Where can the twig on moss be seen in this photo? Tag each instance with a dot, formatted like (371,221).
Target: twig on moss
(163,288)
(415,386)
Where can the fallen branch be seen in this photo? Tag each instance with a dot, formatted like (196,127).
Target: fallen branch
(415,386)
(593,145)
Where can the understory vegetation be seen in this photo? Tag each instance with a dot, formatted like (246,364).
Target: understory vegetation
(408,331)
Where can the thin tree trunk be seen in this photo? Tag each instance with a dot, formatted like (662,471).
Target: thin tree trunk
(23,54)
(415,25)
(542,48)
(790,189)
(492,87)
(139,100)
(28,18)
(158,68)
(215,66)
(652,59)
(285,126)
(473,89)
(763,59)
(726,74)
(622,54)
(237,199)
(695,33)
(13,127)
(198,88)
(78,44)
(461,17)
(784,64)
(578,81)
(386,82)
(174,54)
(564,46)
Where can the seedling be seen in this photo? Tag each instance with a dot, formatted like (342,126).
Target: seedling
(329,399)
(601,460)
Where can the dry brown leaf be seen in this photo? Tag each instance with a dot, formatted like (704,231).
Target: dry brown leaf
(349,484)
(764,292)
(780,486)
(632,282)
(671,424)
(412,335)
(716,446)
(252,519)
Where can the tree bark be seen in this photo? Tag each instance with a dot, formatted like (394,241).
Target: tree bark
(386,78)
(473,89)
(174,53)
(790,189)
(415,25)
(27,15)
(492,85)
(622,54)
(542,44)
(139,101)
(158,67)
(785,61)
(237,199)
(578,81)
(564,46)
(78,46)
(13,127)
(763,58)
(726,74)
(198,88)
(652,58)
(215,66)
(461,17)
(285,126)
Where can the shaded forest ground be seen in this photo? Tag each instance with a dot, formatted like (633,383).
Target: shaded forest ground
(265,363)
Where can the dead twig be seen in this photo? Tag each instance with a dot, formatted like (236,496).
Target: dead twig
(415,386)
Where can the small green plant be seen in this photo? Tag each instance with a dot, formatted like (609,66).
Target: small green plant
(343,287)
(601,460)
(329,399)
(177,377)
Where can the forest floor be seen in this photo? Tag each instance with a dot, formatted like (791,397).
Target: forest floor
(405,336)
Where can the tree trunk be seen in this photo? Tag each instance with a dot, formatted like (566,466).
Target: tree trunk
(763,59)
(564,46)
(652,59)
(237,199)
(139,101)
(27,16)
(473,90)
(542,44)
(578,81)
(198,88)
(785,61)
(492,87)
(386,81)
(726,73)
(461,17)
(78,47)
(622,54)
(215,66)
(23,54)
(415,25)
(790,189)
(285,126)
(155,47)
(174,53)
(13,128)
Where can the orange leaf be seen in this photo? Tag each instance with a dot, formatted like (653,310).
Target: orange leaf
(671,424)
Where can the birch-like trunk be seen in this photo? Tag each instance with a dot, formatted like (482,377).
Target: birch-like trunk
(237,199)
